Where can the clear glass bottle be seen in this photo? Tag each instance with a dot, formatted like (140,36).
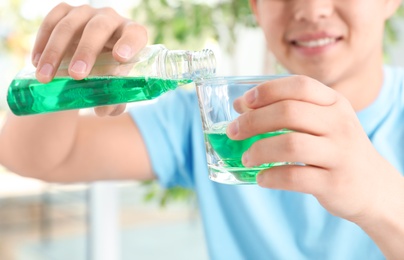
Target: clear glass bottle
(152,72)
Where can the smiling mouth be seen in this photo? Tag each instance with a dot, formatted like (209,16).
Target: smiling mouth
(316,43)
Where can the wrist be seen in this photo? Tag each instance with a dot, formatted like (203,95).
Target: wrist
(384,223)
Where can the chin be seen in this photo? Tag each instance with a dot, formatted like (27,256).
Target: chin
(325,75)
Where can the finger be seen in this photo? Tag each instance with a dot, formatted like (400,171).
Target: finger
(132,38)
(95,35)
(301,88)
(46,29)
(290,114)
(240,106)
(291,147)
(103,111)
(305,179)
(119,109)
(68,28)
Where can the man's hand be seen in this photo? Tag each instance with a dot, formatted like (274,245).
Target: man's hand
(343,170)
(80,34)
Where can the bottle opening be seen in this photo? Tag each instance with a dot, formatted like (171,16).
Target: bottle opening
(192,65)
(203,64)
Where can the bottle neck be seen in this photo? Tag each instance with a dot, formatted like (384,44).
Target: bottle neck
(193,65)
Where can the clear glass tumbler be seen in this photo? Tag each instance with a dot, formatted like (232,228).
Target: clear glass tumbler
(216,97)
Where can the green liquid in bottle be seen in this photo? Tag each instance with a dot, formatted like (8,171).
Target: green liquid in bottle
(28,96)
(230,152)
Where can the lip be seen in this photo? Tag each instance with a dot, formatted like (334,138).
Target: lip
(310,44)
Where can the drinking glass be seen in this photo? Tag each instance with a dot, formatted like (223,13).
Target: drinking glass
(216,97)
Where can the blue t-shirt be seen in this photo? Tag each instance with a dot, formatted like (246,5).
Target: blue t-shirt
(249,222)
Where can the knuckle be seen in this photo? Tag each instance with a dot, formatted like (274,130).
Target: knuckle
(51,53)
(137,32)
(84,10)
(303,84)
(53,17)
(343,102)
(348,128)
(85,51)
(291,143)
(248,121)
(264,90)
(292,176)
(289,111)
(109,11)
(140,29)
(348,121)
(65,26)
(62,6)
(47,27)
(302,80)
(100,22)
(258,151)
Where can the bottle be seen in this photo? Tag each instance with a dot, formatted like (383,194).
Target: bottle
(152,72)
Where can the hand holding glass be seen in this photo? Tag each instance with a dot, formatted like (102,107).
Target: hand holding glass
(216,97)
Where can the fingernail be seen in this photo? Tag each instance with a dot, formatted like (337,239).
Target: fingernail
(124,51)
(79,67)
(233,127)
(46,70)
(260,177)
(251,95)
(246,157)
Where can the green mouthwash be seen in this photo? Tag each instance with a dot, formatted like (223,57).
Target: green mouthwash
(230,152)
(28,96)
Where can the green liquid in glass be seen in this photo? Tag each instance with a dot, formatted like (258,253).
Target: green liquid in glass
(230,152)
(28,96)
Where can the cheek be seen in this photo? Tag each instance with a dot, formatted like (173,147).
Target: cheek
(365,39)
(273,16)
(274,32)
(357,22)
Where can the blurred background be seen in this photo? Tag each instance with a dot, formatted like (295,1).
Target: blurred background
(126,220)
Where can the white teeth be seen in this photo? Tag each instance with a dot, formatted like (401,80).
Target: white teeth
(316,43)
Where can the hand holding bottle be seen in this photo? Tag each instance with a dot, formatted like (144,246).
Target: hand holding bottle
(82,33)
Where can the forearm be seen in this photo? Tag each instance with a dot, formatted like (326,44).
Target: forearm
(386,225)
(33,145)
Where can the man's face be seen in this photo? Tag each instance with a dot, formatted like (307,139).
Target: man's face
(325,39)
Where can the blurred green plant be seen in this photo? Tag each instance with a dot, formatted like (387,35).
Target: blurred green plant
(392,30)
(167,196)
(188,24)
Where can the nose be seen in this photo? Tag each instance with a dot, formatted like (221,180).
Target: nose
(313,10)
